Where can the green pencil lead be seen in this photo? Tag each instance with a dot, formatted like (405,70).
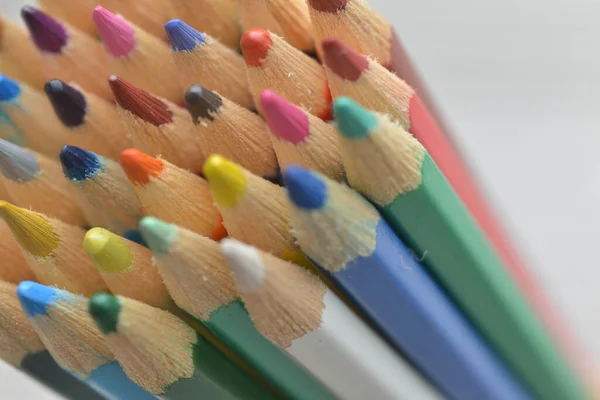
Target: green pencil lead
(105,309)
(353,121)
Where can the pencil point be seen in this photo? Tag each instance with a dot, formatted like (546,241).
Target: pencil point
(139,102)
(9,89)
(343,60)
(255,45)
(285,120)
(245,262)
(78,164)
(226,180)
(35,298)
(353,121)
(182,36)
(69,103)
(305,188)
(33,231)
(16,163)
(140,167)
(158,234)
(328,6)
(117,34)
(202,103)
(47,33)
(105,309)
(109,252)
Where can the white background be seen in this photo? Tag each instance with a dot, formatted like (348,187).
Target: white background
(518,80)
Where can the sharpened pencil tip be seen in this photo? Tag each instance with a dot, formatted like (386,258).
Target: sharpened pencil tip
(328,6)
(182,36)
(255,45)
(9,89)
(139,102)
(305,188)
(343,60)
(353,121)
(158,234)
(17,163)
(35,298)
(285,120)
(105,310)
(140,167)
(226,180)
(245,262)
(79,164)
(110,252)
(32,230)
(202,104)
(69,103)
(48,34)
(116,33)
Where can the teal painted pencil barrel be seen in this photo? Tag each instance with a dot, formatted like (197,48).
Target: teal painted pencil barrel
(388,166)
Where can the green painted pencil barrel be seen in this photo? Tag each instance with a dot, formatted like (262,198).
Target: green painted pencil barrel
(215,367)
(233,325)
(463,261)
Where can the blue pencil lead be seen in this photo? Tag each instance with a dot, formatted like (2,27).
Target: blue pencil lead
(79,164)
(182,36)
(9,88)
(35,298)
(305,188)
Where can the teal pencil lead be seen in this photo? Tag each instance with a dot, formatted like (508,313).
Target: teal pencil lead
(353,121)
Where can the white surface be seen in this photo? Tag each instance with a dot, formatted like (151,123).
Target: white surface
(353,368)
(16,385)
(518,82)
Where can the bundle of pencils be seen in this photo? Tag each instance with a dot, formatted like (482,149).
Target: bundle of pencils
(176,219)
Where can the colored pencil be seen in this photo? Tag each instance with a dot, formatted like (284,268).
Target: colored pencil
(223,127)
(301,138)
(273,64)
(254,210)
(14,267)
(157,126)
(294,309)
(53,250)
(172,194)
(126,267)
(353,75)
(76,13)
(18,56)
(167,357)
(294,20)
(27,119)
(219,19)
(204,60)
(346,236)
(354,22)
(68,53)
(396,173)
(93,123)
(197,277)
(111,202)
(138,56)
(35,181)
(61,320)
(21,347)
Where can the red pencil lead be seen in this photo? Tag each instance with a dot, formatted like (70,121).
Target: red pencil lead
(255,45)
(328,6)
(139,102)
(343,60)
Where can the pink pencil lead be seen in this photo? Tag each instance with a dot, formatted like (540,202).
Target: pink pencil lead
(285,120)
(116,33)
